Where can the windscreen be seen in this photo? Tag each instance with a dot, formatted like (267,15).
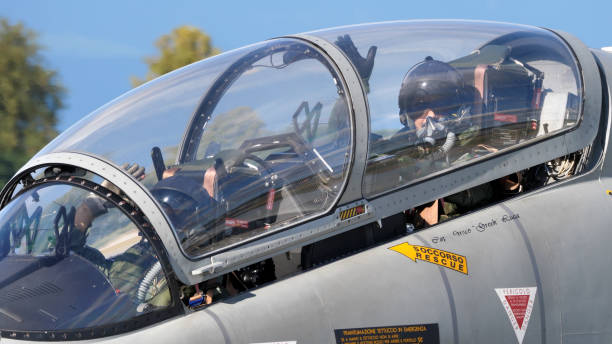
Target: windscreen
(72,260)
(233,147)
(443,94)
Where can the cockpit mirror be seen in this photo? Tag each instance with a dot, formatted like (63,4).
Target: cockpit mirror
(213,149)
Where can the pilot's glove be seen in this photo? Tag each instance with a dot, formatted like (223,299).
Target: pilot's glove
(364,65)
(135,170)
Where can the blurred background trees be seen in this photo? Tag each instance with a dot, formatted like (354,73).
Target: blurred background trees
(30,97)
(184,45)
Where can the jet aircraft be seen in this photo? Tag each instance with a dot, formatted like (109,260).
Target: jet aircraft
(400,182)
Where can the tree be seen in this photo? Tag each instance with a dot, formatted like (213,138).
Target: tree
(30,97)
(231,128)
(184,45)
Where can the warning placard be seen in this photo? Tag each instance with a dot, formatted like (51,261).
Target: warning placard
(352,212)
(518,304)
(425,333)
(443,258)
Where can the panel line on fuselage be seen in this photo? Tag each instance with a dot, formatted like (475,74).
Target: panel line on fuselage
(536,271)
(449,292)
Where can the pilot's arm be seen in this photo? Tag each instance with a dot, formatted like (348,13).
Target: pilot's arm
(94,206)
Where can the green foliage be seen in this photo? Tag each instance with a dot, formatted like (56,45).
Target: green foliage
(184,45)
(30,97)
(231,128)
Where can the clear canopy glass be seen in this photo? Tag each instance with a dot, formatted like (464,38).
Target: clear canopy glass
(234,146)
(445,93)
(250,141)
(71,260)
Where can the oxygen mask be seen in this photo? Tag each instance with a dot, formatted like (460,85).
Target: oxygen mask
(432,131)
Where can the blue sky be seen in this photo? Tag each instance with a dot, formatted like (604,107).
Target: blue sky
(96,46)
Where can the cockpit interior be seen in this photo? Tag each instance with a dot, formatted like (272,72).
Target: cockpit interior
(265,162)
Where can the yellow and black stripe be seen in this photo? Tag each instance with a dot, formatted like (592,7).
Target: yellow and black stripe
(352,212)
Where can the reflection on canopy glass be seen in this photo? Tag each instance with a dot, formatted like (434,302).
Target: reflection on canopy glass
(64,269)
(257,157)
(233,146)
(443,94)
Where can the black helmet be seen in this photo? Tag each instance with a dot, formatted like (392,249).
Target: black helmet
(430,84)
(181,198)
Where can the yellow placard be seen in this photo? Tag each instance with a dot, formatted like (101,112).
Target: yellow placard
(446,259)
(352,212)
(417,334)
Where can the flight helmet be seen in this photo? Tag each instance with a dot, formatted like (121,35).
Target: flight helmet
(181,198)
(430,84)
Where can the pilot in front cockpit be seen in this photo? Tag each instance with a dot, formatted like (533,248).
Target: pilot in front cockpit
(125,270)
(179,196)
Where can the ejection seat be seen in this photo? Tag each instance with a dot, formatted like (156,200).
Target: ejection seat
(507,97)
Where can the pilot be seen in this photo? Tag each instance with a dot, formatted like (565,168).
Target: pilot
(179,195)
(125,270)
(92,207)
(435,111)
(183,200)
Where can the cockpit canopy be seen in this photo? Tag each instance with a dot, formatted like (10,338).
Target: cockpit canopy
(492,86)
(252,141)
(274,146)
(62,272)
(234,146)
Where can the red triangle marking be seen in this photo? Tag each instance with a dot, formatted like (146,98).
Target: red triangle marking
(518,305)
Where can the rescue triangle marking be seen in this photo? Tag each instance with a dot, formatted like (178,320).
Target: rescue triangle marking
(518,304)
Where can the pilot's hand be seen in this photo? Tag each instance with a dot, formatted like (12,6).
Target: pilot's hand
(364,65)
(138,172)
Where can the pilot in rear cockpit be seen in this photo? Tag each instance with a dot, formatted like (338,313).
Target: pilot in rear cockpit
(436,111)
(436,114)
